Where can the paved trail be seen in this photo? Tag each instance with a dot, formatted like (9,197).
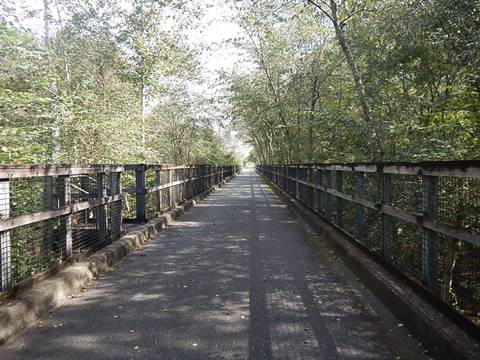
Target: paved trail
(233,279)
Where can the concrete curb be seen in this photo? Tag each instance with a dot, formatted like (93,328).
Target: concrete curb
(37,301)
(442,337)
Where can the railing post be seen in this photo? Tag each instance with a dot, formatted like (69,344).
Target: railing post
(191,186)
(297,195)
(318,182)
(47,204)
(116,216)
(429,249)
(158,194)
(141,194)
(64,199)
(311,181)
(101,209)
(359,210)
(170,189)
(5,241)
(328,196)
(86,186)
(339,200)
(386,230)
(315,182)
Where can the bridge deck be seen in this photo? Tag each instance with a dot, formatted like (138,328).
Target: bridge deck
(232,279)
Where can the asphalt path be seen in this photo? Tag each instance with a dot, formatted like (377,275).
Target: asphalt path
(234,278)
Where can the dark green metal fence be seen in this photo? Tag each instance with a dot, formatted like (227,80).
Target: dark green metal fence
(50,214)
(422,218)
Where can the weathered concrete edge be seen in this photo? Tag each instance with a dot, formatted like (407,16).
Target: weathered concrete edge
(442,337)
(42,298)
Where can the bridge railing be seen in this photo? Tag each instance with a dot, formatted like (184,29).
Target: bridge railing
(153,189)
(52,214)
(423,219)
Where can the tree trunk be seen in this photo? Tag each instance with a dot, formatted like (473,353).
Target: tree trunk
(446,290)
(310,142)
(357,79)
(46,21)
(142,111)
(311,117)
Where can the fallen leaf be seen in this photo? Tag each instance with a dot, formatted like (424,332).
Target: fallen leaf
(194,344)
(135,347)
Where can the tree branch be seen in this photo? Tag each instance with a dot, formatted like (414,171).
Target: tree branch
(319,7)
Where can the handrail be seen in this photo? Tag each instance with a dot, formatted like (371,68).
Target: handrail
(423,218)
(51,213)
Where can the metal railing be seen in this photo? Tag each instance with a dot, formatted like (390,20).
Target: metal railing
(51,214)
(421,218)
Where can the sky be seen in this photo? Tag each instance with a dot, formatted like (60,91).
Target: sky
(216,27)
(222,56)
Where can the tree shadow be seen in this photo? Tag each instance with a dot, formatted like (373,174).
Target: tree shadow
(232,279)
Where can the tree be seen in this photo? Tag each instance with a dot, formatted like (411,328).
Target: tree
(76,98)
(151,51)
(339,14)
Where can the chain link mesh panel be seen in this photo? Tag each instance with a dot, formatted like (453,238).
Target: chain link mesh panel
(406,218)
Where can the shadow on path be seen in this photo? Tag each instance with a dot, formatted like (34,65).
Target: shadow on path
(232,279)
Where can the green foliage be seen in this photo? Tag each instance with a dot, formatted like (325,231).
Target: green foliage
(84,96)
(418,61)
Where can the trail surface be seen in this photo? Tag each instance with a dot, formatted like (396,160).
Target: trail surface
(233,279)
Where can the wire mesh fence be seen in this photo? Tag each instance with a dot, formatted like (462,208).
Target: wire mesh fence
(151,190)
(422,218)
(51,214)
